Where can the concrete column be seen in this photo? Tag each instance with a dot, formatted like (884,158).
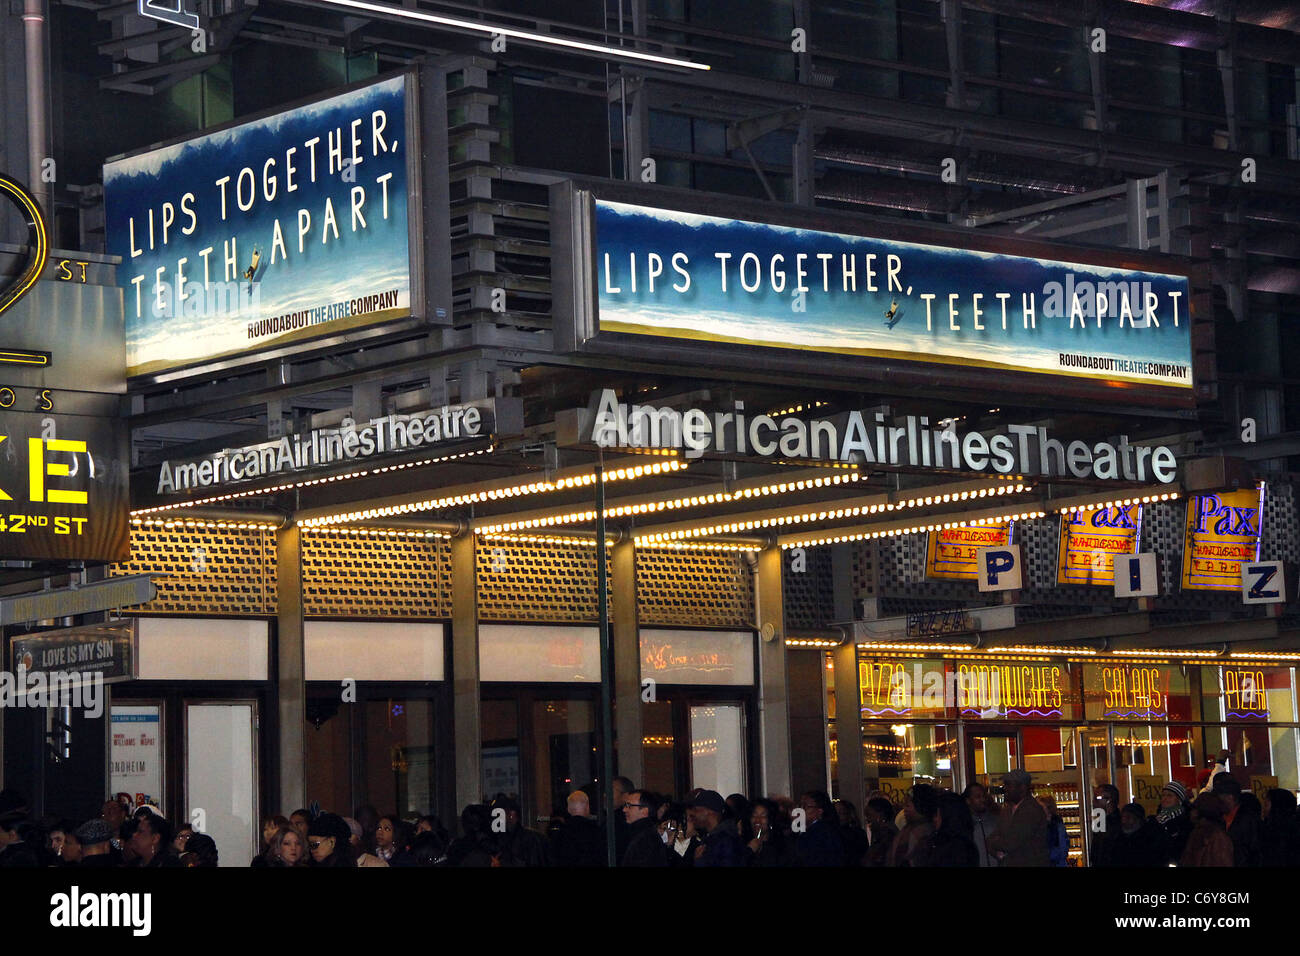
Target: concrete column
(291,683)
(466,705)
(773,692)
(848,727)
(627,663)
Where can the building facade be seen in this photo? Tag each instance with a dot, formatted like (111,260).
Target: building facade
(377,503)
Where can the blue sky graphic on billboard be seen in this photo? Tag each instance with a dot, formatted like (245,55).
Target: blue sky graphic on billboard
(267,233)
(678,274)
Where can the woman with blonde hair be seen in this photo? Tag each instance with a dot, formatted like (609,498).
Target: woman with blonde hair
(285,848)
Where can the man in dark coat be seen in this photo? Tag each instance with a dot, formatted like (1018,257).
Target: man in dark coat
(1243,827)
(525,847)
(645,846)
(1021,837)
(720,844)
(1140,842)
(580,840)
(819,843)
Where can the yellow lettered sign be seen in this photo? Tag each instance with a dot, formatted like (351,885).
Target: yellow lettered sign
(1222,531)
(1090,539)
(952,551)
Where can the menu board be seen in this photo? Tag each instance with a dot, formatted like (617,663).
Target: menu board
(952,552)
(1090,540)
(1223,530)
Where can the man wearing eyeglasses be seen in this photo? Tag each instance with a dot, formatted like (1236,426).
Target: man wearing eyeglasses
(645,845)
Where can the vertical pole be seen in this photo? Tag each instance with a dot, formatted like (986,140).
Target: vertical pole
(606,676)
(466,713)
(291,689)
(626,639)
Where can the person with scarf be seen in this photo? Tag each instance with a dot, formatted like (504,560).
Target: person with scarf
(1175,818)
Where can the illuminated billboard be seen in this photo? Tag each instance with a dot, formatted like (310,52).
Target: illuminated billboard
(1090,540)
(693,277)
(268,233)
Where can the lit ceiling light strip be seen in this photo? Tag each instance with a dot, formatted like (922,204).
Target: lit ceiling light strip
(377,532)
(525,35)
(323,480)
(1264,656)
(810,642)
(1141,496)
(863,532)
(609,543)
(1167,652)
(648,504)
(186,524)
(832,511)
(503,488)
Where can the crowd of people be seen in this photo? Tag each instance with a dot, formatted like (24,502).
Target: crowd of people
(1219,826)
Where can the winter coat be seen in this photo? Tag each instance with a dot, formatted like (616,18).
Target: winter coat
(1208,845)
(645,847)
(819,845)
(1022,835)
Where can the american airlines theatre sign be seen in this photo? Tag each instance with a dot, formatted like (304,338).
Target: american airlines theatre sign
(352,443)
(862,437)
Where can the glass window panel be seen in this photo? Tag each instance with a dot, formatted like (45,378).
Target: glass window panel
(499,731)
(718,748)
(399,769)
(1125,691)
(657,747)
(564,752)
(894,757)
(328,740)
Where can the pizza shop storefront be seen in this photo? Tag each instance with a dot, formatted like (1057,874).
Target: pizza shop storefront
(954,716)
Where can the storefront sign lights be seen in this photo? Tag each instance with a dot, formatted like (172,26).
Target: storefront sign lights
(868,438)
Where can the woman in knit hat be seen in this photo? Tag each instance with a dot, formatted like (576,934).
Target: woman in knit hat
(1175,818)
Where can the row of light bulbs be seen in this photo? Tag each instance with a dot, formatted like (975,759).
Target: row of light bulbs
(1121,502)
(187,524)
(671,504)
(832,514)
(913,529)
(492,494)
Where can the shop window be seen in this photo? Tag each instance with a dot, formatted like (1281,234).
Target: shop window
(897,756)
(1251,701)
(564,751)
(399,768)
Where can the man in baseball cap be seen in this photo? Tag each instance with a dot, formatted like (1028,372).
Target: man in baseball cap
(95,837)
(720,841)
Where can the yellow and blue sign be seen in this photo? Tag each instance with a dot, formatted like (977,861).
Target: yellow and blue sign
(1091,539)
(1223,531)
(953,553)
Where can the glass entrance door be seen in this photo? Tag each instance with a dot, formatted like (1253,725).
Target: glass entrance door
(221,776)
(692,741)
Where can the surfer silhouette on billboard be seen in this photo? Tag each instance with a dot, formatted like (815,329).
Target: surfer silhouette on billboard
(251,273)
(894,315)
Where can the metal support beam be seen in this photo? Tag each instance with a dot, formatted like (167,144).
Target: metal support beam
(627,663)
(466,707)
(291,679)
(773,693)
